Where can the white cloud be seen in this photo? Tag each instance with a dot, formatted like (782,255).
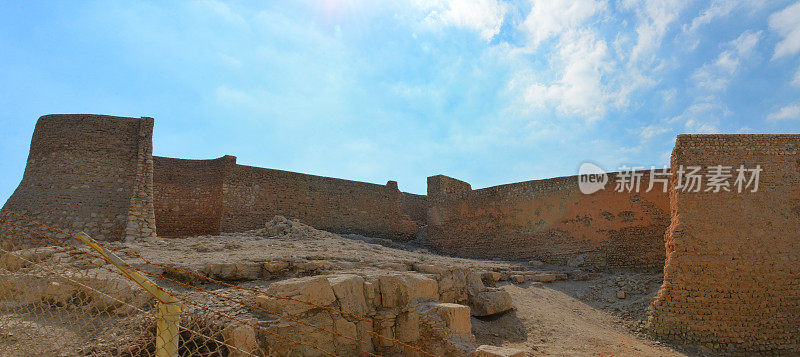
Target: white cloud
(484,16)
(651,131)
(717,9)
(655,17)
(720,9)
(716,75)
(580,90)
(787,23)
(789,112)
(669,94)
(551,18)
(702,117)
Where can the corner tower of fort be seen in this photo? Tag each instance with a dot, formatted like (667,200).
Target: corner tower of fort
(91,173)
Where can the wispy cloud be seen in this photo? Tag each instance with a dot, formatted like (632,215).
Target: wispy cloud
(787,24)
(717,74)
(553,18)
(483,16)
(789,112)
(583,60)
(654,19)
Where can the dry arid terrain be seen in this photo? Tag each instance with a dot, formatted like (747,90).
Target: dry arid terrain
(560,311)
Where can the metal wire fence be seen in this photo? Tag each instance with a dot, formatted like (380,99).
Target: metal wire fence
(67,295)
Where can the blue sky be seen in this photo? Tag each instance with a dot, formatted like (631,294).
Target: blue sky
(487,91)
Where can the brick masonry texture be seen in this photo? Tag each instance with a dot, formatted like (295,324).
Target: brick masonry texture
(89,173)
(189,195)
(731,263)
(549,220)
(732,274)
(253,195)
(196,197)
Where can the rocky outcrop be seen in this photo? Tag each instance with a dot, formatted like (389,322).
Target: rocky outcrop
(465,286)
(380,313)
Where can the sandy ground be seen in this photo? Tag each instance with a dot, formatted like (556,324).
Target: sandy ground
(549,322)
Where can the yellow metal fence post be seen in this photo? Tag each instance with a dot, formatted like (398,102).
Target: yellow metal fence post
(169,315)
(169,308)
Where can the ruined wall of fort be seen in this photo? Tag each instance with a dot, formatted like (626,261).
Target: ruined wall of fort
(89,173)
(549,220)
(253,195)
(189,197)
(415,207)
(732,274)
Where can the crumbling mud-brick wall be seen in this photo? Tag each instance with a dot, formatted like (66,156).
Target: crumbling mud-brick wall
(189,195)
(415,206)
(253,196)
(732,274)
(549,220)
(89,173)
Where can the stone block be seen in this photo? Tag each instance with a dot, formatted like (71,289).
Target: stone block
(308,291)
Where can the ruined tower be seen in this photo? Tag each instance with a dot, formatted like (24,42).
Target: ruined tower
(91,173)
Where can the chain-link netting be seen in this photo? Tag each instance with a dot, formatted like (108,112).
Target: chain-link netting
(60,297)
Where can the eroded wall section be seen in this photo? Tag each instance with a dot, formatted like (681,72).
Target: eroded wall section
(189,195)
(732,274)
(549,220)
(253,195)
(89,173)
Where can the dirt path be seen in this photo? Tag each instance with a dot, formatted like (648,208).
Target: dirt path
(550,322)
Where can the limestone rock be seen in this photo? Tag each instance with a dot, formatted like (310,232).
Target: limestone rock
(276,266)
(311,336)
(490,278)
(242,270)
(349,290)
(242,338)
(429,268)
(400,289)
(474,281)
(490,302)
(314,289)
(408,326)
(344,345)
(494,351)
(455,316)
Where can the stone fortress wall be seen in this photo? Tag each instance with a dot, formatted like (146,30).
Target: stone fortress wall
(550,220)
(189,195)
(89,173)
(254,195)
(732,274)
